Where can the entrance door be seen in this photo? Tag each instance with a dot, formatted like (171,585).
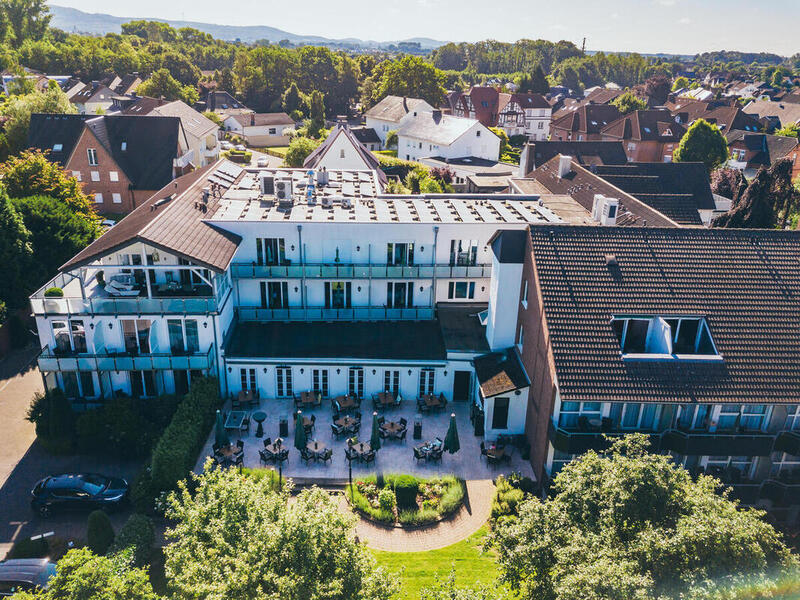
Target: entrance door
(461,381)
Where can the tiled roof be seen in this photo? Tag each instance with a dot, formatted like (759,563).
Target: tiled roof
(586,153)
(771,148)
(47,131)
(393,108)
(366,135)
(261,119)
(587,119)
(500,372)
(194,123)
(436,128)
(745,283)
(646,125)
(597,97)
(787,112)
(371,162)
(582,185)
(174,225)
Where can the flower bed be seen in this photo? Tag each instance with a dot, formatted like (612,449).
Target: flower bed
(405,499)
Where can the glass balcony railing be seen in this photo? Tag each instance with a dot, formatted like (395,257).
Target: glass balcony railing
(362,313)
(50,361)
(358,271)
(122,306)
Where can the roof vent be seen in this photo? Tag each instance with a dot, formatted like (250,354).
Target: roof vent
(564,165)
(611,260)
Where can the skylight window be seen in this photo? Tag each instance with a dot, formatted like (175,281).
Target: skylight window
(664,338)
(647,129)
(123,146)
(58,147)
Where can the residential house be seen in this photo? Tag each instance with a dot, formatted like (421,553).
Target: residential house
(261,129)
(433,134)
(583,124)
(636,330)
(598,96)
(368,137)
(93,98)
(341,150)
(725,117)
(221,101)
(386,115)
(119,160)
(648,135)
(516,114)
(751,151)
(585,153)
(781,114)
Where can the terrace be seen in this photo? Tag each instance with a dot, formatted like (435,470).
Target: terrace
(394,456)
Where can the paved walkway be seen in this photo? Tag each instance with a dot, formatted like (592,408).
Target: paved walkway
(476,511)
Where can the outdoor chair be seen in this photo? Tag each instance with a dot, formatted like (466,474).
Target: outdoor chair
(381,420)
(236,404)
(484,451)
(583,423)
(297,403)
(239,446)
(419,454)
(335,408)
(382,433)
(403,422)
(435,454)
(283,455)
(245,423)
(376,404)
(306,455)
(216,448)
(266,456)
(349,455)
(402,435)
(336,430)
(326,455)
(220,460)
(356,427)
(267,442)
(239,460)
(369,457)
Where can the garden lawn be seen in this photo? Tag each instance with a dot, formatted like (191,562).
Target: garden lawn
(419,569)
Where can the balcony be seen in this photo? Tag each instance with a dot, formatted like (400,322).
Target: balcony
(718,443)
(196,299)
(358,271)
(789,442)
(50,361)
(361,313)
(575,441)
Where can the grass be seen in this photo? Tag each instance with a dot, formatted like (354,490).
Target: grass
(417,570)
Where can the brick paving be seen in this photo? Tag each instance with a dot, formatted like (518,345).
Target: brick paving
(474,513)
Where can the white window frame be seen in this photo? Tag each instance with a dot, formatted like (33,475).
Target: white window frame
(77,175)
(116,198)
(113,175)
(91,155)
(95,175)
(98,198)
(427,381)
(284,387)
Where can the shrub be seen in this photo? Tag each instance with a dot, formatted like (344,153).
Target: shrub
(100,278)
(28,548)
(386,500)
(417,517)
(99,532)
(54,292)
(52,415)
(405,490)
(119,427)
(137,537)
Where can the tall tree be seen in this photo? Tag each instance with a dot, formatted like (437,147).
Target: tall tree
(657,90)
(162,84)
(704,143)
(316,109)
(292,99)
(627,103)
(19,109)
(234,537)
(15,253)
(412,76)
(785,196)
(729,183)
(633,525)
(24,19)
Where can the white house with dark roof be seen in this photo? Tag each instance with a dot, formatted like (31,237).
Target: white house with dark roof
(341,150)
(261,129)
(386,115)
(434,134)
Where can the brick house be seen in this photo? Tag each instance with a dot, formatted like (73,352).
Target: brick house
(119,160)
(583,124)
(648,135)
(516,114)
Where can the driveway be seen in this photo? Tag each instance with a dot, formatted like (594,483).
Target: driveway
(23,461)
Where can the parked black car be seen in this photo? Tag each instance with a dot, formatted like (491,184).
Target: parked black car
(72,491)
(24,575)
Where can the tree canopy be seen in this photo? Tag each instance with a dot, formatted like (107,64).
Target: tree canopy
(234,537)
(299,149)
(633,525)
(15,253)
(703,142)
(412,76)
(627,103)
(162,83)
(19,108)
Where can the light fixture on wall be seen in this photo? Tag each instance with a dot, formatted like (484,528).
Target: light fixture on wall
(291,247)
(91,325)
(265,369)
(302,371)
(445,373)
(110,325)
(373,371)
(205,324)
(422,248)
(338,371)
(517,392)
(358,248)
(483,288)
(295,289)
(230,370)
(358,288)
(409,371)
(421,288)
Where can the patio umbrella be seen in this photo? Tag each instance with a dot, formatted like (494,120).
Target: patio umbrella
(220,435)
(375,439)
(300,439)
(451,443)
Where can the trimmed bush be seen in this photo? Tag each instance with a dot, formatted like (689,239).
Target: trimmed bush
(52,415)
(137,537)
(27,548)
(99,532)
(405,490)
(386,500)
(54,292)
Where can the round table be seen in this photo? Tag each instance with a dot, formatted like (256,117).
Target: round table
(259,417)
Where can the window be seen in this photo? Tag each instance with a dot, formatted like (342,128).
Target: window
(463,253)
(792,418)
(355,382)
(95,175)
(183,336)
(247,378)
(319,381)
(116,198)
(86,382)
(457,290)
(113,175)
(143,384)
(136,335)
(273,131)
(500,413)
(541,124)
(283,384)
(633,416)
(274,294)
(98,198)
(77,175)
(69,336)
(391,381)
(399,254)
(525,293)
(123,146)
(570,411)
(338,294)
(91,154)
(742,463)
(478,133)
(426,381)
(665,336)
(691,417)
(341,153)
(400,294)
(270,251)
(747,417)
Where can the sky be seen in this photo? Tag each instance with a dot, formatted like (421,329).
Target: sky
(671,26)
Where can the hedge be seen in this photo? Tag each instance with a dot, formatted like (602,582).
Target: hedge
(99,532)
(137,537)
(54,292)
(175,453)
(405,490)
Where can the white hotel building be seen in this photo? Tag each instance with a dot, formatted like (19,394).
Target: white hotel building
(290,280)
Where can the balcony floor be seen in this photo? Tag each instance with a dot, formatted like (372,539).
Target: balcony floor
(394,456)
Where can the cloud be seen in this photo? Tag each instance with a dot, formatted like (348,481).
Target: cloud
(685,21)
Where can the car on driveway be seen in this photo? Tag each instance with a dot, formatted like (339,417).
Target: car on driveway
(240,148)
(262,161)
(225,145)
(78,491)
(24,575)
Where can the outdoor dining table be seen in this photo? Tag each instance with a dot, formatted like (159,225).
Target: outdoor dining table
(361,448)
(246,396)
(315,448)
(309,398)
(259,417)
(235,419)
(432,400)
(346,401)
(495,452)
(392,427)
(228,452)
(275,447)
(386,398)
(345,422)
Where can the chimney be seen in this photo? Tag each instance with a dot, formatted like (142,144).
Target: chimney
(405,104)
(564,165)
(437,114)
(95,84)
(604,210)
(252,119)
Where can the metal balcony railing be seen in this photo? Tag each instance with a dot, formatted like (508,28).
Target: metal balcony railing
(50,361)
(362,313)
(358,271)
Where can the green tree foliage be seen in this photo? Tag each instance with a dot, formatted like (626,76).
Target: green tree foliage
(212,116)
(99,532)
(264,547)
(703,143)
(791,130)
(82,575)
(57,234)
(391,138)
(535,82)
(135,540)
(299,149)
(316,111)
(19,108)
(150,31)
(292,100)
(180,68)
(162,83)
(412,76)
(627,103)
(633,525)
(24,20)
(16,253)
(680,83)
(491,56)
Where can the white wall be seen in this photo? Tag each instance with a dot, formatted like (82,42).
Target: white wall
(501,327)
(485,146)
(342,155)
(517,411)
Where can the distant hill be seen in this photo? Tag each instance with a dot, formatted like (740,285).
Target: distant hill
(73,20)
